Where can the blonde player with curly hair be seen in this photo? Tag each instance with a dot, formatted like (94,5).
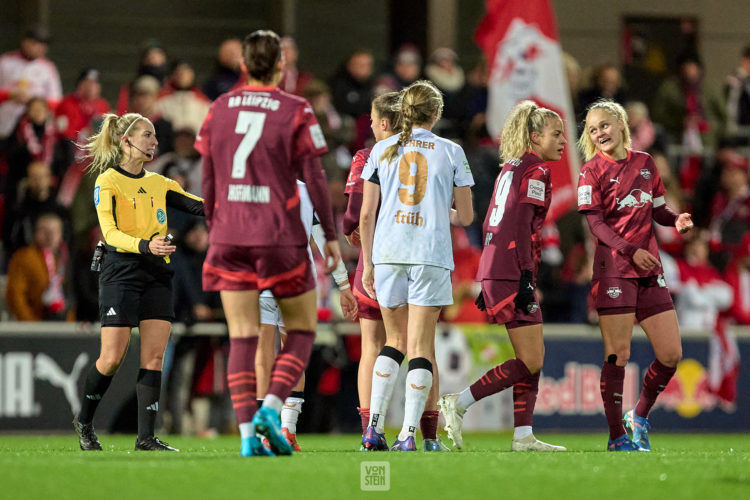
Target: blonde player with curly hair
(531,137)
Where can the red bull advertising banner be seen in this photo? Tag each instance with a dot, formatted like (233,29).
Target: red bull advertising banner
(569,394)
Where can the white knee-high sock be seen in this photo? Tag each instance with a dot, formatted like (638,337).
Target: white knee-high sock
(384,375)
(418,384)
(290,413)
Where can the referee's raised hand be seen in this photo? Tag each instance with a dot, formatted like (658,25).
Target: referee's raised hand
(161,246)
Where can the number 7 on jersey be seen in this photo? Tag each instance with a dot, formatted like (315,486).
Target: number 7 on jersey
(249,123)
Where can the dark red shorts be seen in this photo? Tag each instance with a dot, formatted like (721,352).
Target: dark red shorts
(283,270)
(642,296)
(499,296)
(367,307)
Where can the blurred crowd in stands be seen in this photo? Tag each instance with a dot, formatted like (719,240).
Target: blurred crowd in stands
(697,130)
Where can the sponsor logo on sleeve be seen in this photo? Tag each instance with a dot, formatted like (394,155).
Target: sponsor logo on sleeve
(161,217)
(319,141)
(467,168)
(535,190)
(584,195)
(96,196)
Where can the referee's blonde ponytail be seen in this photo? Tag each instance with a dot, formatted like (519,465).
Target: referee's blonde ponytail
(525,117)
(421,104)
(104,147)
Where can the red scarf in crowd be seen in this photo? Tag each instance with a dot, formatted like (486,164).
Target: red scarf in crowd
(40,148)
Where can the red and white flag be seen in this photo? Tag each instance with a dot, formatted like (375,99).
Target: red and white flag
(723,363)
(519,39)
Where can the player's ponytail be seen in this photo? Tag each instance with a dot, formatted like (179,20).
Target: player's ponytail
(421,104)
(104,147)
(586,145)
(525,117)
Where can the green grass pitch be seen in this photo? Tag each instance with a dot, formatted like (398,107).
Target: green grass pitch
(681,466)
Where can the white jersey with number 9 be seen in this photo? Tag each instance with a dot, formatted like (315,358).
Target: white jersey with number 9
(416,191)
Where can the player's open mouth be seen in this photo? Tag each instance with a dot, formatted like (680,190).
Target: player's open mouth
(604,141)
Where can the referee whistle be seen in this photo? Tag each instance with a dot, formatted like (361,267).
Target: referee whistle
(169,239)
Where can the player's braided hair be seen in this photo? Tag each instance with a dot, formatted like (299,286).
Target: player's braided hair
(525,117)
(421,104)
(104,147)
(586,144)
(261,51)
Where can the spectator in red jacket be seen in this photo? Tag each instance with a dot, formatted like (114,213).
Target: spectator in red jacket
(75,115)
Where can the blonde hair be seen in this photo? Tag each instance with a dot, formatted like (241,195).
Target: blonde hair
(421,103)
(388,106)
(104,147)
(586,145)
(525,117)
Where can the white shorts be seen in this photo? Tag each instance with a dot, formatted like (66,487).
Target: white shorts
(270,313)
(420,285)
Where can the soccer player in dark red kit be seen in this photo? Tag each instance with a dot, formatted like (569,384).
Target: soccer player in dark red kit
(621,193)
(383,118)
(531,136)
(256,142)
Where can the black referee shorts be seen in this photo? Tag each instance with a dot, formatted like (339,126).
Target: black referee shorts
(133,288)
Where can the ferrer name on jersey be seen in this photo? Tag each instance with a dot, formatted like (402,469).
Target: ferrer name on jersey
(249,194)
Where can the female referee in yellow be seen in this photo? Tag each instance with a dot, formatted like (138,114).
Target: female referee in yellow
(135,285)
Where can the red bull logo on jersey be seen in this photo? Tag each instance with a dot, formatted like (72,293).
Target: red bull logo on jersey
(635,199)
(411,218)
(645,173)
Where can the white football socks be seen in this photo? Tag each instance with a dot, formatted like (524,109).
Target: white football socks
(384,375)
(247,429)
(290,413)
(418,384)
(465,399)
(273,401)
(521,431)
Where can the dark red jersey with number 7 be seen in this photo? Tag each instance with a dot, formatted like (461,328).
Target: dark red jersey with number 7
(255,143)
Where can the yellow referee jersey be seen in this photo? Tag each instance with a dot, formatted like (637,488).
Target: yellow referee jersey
(132,209)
